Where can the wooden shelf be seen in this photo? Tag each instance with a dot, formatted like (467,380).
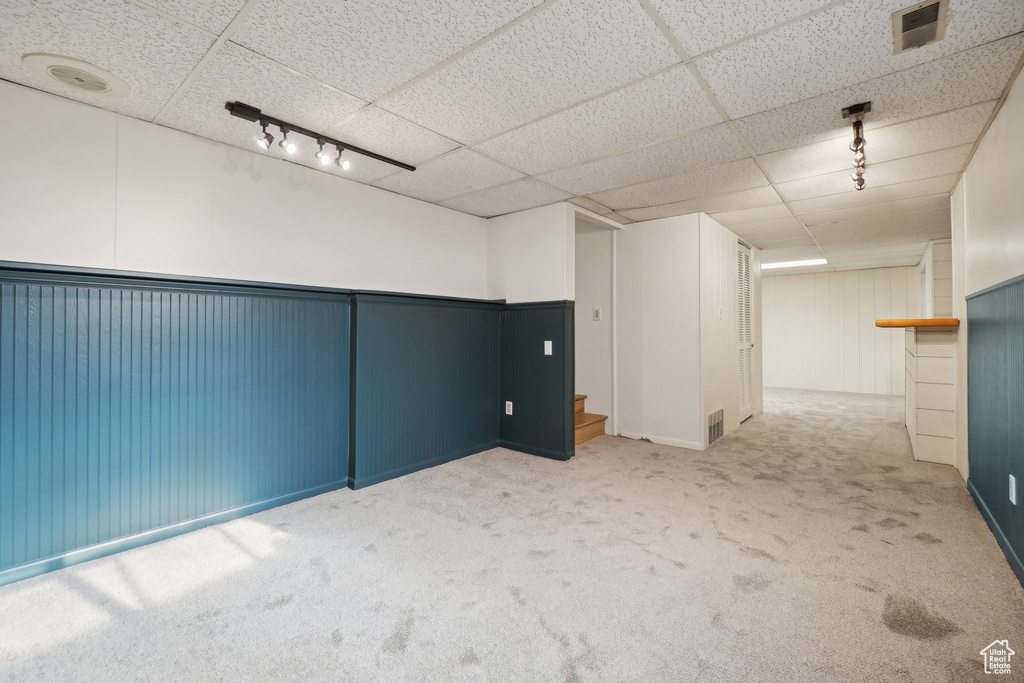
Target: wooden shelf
(919,322)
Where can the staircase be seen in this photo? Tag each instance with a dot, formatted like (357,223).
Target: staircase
(588,425)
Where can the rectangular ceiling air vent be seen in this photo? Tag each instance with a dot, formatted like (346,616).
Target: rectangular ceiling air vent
(918,25)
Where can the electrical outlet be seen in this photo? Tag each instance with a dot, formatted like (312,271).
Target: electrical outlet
(508,407)
(1013,489)
(547,348)
(597,314)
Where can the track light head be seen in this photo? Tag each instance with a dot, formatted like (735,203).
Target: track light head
(287,145)
(859,183)
(343,164)
(322,155)
(265,140)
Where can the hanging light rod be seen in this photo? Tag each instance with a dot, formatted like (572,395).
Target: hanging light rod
(244,111)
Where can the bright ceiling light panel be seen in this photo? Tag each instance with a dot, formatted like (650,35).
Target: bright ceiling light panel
(794,264)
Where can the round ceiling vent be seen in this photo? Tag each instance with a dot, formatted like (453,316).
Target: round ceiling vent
(77,75)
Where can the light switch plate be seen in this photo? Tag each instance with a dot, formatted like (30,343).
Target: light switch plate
(1013,489)
(547,348)
(508,407)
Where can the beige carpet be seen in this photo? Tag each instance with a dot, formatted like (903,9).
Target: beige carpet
(808,546)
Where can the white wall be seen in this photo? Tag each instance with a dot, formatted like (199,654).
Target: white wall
(757,323)
(86,187)
(819,329)
(531,254)
(719,321)
(657,332)
(925,285)
(594,337)
(993,200)
(942,283)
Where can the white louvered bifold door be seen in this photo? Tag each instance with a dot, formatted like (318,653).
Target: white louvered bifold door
(746,340)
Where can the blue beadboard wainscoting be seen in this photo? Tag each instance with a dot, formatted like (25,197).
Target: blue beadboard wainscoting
(995,403)
(135,407)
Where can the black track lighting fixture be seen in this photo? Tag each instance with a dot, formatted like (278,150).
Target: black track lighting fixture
(265,140)
(249,113)
(856,113)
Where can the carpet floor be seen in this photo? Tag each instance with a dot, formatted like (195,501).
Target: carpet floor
(807,546)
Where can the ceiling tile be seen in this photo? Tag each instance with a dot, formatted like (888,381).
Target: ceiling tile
(385,133)
(935,202)
(907,220)
(761,213)
(458,173)
(979,75)
(732,201)
(780,236)
(664,106)
(875,195)
(881,238)
(213,15)
(620,218)
(702,25)
(591,205)
(515,196)
(152,53)
(840,47)
(703,182)
(708,147)
(561,55)
(370,47)
(884,144)
(771,225)
(237,74)
(877,175)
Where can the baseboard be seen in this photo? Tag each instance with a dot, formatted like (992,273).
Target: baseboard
(993,525)
(542,452)
(363,482)
(665,441)
(117,545)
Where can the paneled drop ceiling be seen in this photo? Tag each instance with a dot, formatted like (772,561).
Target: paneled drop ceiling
(634,109)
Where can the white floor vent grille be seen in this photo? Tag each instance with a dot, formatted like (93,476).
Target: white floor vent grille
(716,425)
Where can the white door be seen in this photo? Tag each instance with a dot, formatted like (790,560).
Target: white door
(746,340)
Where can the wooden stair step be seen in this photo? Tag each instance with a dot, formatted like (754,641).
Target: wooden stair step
(580,400)
(588,426)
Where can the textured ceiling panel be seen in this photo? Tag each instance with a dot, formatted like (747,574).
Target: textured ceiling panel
(897,222)
(461,172)
(935,202)
(770,225)
(213,15)
(840,47)
(591,205)
(385,133)
(733,201)
(905,170)
(792,234)
(515,196)
(369,47)
(978,75)
(876,195)
(882,238)
(662,107)
(151,53)
(736,175)
(962,126)
(709,147)
(565,53)
(757,214)
(702,25)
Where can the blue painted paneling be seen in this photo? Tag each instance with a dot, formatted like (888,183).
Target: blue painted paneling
(540,387)
(995,357)
(425,383)
(128,406)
